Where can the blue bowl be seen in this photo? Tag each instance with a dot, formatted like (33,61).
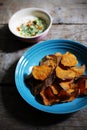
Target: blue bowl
(32,57)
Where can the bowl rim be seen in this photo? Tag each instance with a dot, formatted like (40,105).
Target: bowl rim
(31,8)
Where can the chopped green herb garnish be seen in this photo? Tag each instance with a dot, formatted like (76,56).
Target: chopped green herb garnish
(32,28)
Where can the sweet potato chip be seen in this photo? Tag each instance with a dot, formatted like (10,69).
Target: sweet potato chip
(65,85)
(82,85)
(69,59)
(51,60)
(41,72)
(48,96)
(57,78)
(64,74)
(54,89)
(58,54)
(79,70)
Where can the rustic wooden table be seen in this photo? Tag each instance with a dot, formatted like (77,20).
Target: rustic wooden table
(69,22)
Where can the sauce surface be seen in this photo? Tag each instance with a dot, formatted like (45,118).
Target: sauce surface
(32,28)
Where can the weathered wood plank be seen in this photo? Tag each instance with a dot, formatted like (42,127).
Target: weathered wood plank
(72,32)
(69,22)
(67,11)
(16,114)
(7,66)
(10,43)
(12,49)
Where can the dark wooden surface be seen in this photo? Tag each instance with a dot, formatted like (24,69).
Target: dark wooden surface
(69,22)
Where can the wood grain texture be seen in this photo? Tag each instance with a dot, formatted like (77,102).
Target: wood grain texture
(16,114)
(12,49)
(69,22)
(62,11)
(9,42)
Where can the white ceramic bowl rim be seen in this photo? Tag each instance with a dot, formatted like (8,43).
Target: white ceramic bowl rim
(12,20)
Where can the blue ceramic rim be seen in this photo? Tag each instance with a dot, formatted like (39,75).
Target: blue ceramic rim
(42,43)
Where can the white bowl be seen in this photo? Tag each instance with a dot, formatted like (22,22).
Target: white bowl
(23,16)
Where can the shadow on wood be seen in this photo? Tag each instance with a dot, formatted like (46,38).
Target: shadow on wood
(9,42)
(9,76)
(17,108)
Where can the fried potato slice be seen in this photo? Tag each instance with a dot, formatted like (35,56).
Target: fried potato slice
(51,95)
(66,85)
(58,78)
(81,85)
(69,59)
(79,70)
(51,60)
(54,89)
(41,72)
(64,74)
(48,96)
(58,54)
